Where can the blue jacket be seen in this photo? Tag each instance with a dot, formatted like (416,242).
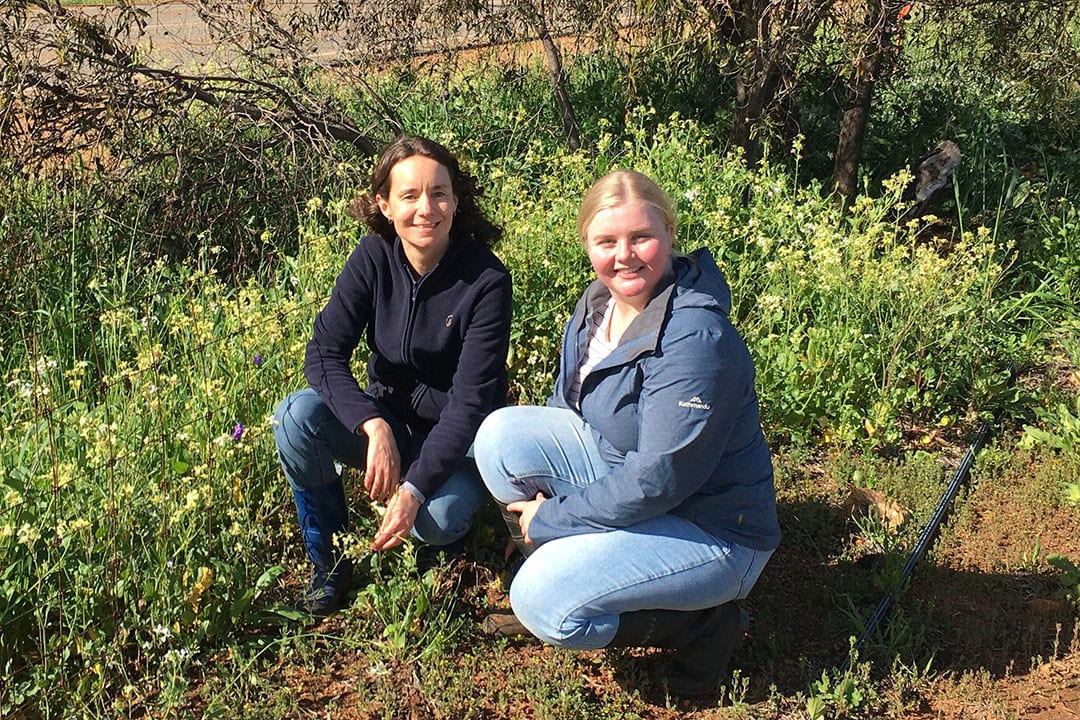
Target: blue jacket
(674,412)
(437,347)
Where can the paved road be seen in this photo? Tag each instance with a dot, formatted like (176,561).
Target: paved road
(176,37)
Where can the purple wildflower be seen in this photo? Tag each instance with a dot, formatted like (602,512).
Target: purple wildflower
(238,432)
(257,360)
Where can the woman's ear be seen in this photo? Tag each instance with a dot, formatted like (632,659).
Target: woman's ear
(384,207)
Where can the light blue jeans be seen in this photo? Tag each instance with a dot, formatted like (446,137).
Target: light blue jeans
(312,444)
(571,590)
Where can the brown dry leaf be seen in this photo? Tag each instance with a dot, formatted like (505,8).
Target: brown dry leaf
(861,500)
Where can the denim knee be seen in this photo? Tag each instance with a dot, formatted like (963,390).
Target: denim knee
(295,424)
(492,439)
(447,514)
(295,416)
(544,611)
(430,531)
(443,519)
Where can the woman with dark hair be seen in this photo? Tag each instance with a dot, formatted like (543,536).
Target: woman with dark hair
(433,305)
(643,494)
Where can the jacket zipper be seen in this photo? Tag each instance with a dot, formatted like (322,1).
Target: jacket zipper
(406,337)
(409,318)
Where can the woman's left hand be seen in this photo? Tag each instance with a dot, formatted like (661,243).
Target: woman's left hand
(397,522)
(528,509)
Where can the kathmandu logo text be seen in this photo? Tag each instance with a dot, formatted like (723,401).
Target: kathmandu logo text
(695,403)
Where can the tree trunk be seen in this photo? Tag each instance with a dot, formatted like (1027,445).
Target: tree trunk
(532,12)
(769,36)
(850,141)
(754,92)
(881,24)
(753,83)
(553,63)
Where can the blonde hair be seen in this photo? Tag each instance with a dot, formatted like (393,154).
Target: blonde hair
(619,187)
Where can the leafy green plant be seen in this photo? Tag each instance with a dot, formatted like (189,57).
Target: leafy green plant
(139,514)
(1068,580)
(1033,559)
(733,694)
(1071,493)
(841,694)
(415,609)
(1062,428)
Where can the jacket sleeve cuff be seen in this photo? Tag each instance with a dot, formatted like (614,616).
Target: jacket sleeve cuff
(541,531)
(415,491)
(418,482)
(359,417)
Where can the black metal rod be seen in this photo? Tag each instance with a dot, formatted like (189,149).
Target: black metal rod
(926,538)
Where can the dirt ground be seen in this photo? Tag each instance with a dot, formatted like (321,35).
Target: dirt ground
(984,606)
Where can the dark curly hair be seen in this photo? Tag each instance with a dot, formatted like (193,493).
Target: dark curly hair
(468,219)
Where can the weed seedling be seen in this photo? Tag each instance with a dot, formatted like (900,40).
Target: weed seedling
(1068,580)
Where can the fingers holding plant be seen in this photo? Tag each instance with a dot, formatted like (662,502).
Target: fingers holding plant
(397,522)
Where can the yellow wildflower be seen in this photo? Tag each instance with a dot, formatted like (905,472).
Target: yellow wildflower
(205,581)
(28,535)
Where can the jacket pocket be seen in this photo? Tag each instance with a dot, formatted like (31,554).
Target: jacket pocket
(428,402)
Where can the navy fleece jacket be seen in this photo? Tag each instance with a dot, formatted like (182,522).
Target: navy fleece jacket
(674,413)
(437,347)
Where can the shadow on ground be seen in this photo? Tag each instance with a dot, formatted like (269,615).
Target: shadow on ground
(807,607)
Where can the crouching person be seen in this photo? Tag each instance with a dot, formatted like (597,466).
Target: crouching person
(433,304)
(642,495)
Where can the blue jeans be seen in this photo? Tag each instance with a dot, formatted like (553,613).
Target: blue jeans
(571,590)
(312,445)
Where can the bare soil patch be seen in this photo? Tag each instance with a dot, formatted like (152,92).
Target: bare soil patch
(984,608)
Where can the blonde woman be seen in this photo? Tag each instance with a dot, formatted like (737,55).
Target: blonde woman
(642,495)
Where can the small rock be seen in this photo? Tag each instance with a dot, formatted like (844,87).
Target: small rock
(861,500)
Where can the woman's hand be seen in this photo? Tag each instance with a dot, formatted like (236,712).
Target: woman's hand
(397,522)
(528,509)
(382,474)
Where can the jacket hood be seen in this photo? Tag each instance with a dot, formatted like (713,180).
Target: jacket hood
(699,282)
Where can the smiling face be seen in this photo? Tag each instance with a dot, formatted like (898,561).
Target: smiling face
(420,203)
(629,246)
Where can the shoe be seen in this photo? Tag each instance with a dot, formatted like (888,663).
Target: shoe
(703,641)
(326,593)
(698,670)
(322,513)
(504,623)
